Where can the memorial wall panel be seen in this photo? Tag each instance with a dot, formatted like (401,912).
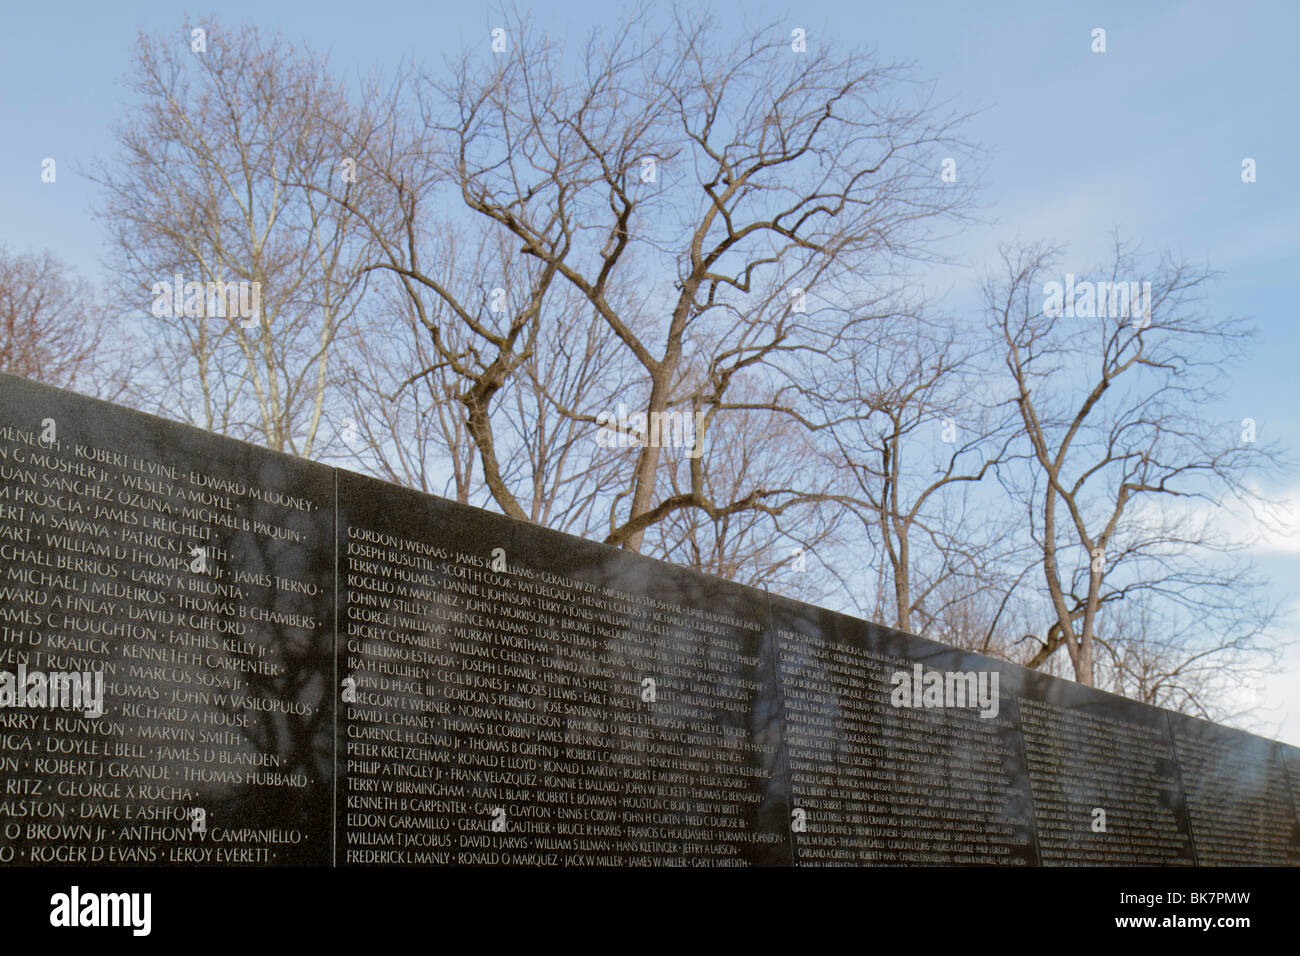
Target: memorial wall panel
(1239,800)
(900,750)
(1104,778)
(166,641)
(525,697)
(213,654)
(1291,758)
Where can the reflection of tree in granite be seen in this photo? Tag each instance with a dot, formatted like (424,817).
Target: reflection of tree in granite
(363,665)
(700,726)
(1238,797)
(800,665)
(1291,763)
(300,741)
(613,658)
(142,683)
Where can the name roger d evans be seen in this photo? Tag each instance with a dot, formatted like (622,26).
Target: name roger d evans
(918,688)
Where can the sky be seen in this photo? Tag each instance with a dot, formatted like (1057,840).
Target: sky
(1147,138)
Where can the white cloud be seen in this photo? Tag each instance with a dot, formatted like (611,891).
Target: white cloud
(1270,527)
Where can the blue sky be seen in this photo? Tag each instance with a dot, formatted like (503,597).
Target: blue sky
(1147,138)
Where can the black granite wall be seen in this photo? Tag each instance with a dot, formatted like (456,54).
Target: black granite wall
(297,665)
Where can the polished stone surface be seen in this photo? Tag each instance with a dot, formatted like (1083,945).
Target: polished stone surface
(575,705)
(300,665)
(1104,777)
(194,574)
(881,772)
(1239,799)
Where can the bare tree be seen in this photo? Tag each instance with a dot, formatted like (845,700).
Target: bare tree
(53,327)
(1111,372)
(431,378)
(792,552)
(912,434)
(213,192)
(727,213)
(1195,661)
(407,430)
(523,283)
